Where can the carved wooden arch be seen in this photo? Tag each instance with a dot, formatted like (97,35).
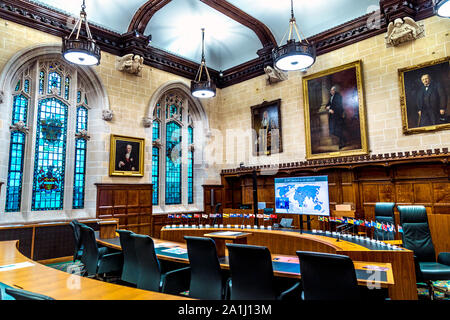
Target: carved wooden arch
(143,15)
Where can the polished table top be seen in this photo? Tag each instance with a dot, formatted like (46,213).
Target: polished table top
(18,271)
(375,273)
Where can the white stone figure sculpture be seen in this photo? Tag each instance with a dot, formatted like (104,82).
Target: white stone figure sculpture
(403,30)
(130,63)
(275,75)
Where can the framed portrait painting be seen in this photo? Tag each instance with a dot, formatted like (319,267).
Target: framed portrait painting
(335,116)
(126,156)
(424,96)
(266,128)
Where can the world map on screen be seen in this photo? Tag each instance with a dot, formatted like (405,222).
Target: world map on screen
(302,198)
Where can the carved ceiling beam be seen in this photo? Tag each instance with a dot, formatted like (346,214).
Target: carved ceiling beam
(261,30)
(143,15)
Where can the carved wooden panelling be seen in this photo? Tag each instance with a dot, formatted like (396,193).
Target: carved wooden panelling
(129,203)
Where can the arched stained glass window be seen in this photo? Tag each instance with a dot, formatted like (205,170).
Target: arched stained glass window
(16,155)
(50,155)
(155,175)
(55,126)
(190,175)
(173,163)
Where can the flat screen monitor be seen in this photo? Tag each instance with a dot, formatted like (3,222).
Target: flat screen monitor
(302,195)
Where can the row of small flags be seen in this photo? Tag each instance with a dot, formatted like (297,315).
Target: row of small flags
(225,215)
(364,223)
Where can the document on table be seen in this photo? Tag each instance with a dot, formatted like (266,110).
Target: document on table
(227,233)
(13,266)
(175,250)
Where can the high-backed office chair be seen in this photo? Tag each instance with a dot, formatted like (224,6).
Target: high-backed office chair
(20,294)
(78,247)
(207,281)
(150,275)
(98,261)
(327,276)
(384,213)
(130,270)
(416,236)
(252,274)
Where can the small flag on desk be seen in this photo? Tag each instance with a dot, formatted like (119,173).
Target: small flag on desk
(189,216)
(378,226)
(392,228)
(218,215)
(205,216)
(178,216)
(212,215)
(183,215)
(260,215)
(273,216)
(226,215)
(251,215)
(320,218)
(325,219)
(196,215)
(399,228)
(238,215)
(170,216)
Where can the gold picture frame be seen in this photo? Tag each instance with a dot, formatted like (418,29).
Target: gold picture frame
(266,128)
(335,127)
(413,92)
(126,156)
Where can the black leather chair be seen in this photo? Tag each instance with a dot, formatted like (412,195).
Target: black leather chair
(20,294)
(98,261)
(78,247)
(327,276)
(252,274)
(130,268)
(207,280)
(416,236)
(384,213)
(150,275)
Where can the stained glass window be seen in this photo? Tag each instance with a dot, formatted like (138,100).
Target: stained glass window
(155,131)
(155,175)
(82,119)
(190,172)
(26,86)
(80,173)
(54,81)
(50,154)
(173,163)
(41,82)
(17,86)
(78,96)
(66,88)
(80,160)
(16,156)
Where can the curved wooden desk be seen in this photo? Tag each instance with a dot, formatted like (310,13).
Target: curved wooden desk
(288,242)
(283,265)
(61,285)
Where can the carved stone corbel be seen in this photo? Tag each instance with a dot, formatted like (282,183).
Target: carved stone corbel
(2,96)
(19,126)
(147,122)
(275,75)
(130,63)
(157,143)
(83,134)
(107,114)
(403,30)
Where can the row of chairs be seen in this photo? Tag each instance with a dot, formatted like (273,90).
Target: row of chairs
(324,276)
(416,237)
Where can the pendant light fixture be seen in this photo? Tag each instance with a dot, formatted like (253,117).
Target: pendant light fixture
(442,8)
(294,55)
(81,51)
(205,88)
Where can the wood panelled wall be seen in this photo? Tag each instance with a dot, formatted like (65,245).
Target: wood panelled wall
(131,204)
(423,181)
(210,201)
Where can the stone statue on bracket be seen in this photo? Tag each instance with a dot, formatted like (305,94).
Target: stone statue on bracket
(19,126)
(147,122)
(275,75)
(130,63)
(403,30)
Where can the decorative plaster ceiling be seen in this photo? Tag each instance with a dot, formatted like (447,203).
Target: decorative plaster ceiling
(175,27)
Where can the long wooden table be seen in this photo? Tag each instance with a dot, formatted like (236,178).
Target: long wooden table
(283,242)
(283,265)
(60,285)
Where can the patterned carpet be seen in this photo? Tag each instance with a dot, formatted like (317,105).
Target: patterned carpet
(77,267)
